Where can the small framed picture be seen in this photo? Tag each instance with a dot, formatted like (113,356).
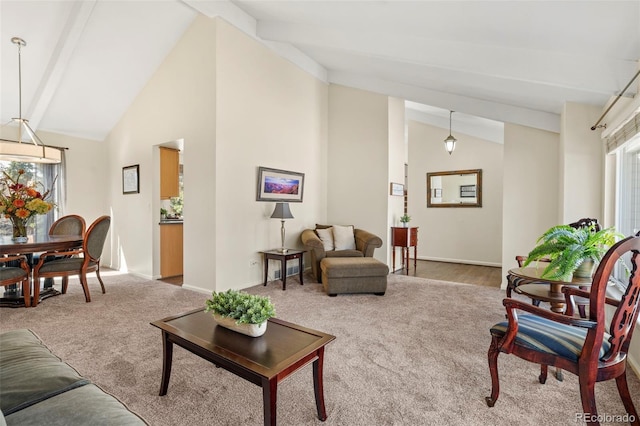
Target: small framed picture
(131,179)
(396,189)
(279,185)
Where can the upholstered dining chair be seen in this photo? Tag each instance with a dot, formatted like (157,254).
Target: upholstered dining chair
(68,225)
(75,262)
(10,274)
(585,347)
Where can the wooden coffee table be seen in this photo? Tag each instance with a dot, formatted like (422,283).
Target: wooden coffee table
(264,361)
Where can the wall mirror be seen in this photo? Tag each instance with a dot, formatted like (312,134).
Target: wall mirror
(457,188)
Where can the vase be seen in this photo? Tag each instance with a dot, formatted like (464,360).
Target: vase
(19,229)
(585,270)
(253,330)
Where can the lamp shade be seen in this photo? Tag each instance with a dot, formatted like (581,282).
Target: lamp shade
(282,211)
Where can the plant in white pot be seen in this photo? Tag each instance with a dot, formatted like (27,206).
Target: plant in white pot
(240,311)
(568,248)
(405,218)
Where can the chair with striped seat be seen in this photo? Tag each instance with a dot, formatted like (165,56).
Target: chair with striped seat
(585,347)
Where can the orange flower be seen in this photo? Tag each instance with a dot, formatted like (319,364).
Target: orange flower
(23,213)
(32,192)
(18,202)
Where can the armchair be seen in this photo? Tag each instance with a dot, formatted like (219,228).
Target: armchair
(584,347)
(365,244)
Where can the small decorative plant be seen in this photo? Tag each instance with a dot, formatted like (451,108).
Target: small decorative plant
(245,308)
(567,248)
(405,218)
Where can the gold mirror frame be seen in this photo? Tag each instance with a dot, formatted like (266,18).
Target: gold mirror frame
(463,191)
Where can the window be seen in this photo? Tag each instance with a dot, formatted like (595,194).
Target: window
(628,197)
(47,174)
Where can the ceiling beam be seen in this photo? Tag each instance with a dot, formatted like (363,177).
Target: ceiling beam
(553,69)
(450,101)
(69,38)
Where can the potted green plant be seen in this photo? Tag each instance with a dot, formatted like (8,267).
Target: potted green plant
(240,311)
(405,218)
(567,248)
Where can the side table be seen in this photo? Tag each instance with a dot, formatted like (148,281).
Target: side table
(283,258)
(405,238)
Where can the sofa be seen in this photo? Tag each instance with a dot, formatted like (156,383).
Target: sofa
(361,244)
(36,388)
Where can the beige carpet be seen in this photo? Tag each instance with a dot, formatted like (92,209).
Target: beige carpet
(416,356)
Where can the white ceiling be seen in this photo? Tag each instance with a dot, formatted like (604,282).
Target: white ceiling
(516,61)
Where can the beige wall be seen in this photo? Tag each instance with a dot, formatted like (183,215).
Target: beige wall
(237,106)
(178,102)
(531,189)
(358,161)
(466,235)
(270,114)
(397,158)
(581,164)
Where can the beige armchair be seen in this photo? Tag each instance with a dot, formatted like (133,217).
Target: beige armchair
(365,242)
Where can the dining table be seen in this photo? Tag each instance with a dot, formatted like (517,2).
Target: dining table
(531,284)
(12,296)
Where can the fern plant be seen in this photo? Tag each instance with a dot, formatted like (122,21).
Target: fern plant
(567,248)
(245,308)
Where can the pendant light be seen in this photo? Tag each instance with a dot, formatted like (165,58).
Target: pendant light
(30,150)
(450,141)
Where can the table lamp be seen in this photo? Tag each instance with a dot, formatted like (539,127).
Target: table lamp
(282,212)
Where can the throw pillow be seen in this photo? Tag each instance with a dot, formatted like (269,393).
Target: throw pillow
(343,237)
(326,236)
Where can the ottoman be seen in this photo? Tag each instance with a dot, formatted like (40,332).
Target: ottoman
(353,275)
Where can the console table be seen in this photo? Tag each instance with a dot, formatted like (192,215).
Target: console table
(405,238)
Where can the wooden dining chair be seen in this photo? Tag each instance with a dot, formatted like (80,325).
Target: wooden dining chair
(10,274)
(585,347)
(71,224)
(75,262)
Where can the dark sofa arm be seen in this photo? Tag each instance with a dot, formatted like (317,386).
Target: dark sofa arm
(366,242)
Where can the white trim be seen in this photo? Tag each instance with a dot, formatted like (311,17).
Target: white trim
(463,261)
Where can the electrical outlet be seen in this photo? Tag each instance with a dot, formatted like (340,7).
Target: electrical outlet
(253,262)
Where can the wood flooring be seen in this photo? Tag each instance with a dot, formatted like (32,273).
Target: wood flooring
(487,276)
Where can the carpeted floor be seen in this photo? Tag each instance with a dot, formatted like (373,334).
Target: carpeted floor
(416,356)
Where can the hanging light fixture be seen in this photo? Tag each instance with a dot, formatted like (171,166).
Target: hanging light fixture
(450,141)
(28,148)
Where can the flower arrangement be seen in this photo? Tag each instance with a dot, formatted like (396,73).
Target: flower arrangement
(19,202)
(405,218)
(245,308)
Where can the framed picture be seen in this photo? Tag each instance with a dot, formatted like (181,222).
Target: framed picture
(467,191)
(396,189)
(131,179)
(279,185)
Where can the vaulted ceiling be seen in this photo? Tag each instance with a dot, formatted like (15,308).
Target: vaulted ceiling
(516,61)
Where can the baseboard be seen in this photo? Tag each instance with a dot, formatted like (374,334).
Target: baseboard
(635,366)
(463,261)
(196,289)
